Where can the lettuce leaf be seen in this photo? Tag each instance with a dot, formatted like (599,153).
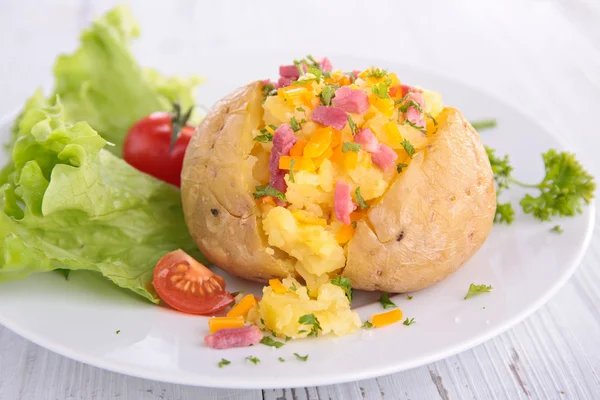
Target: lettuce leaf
(102,83)
(71,204)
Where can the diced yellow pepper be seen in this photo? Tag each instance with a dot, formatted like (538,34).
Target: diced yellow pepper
(344,235)
(387,318)
(392,76)
(385,106)
(217,323)
(306,218)
(319,160)
(392,136)
(319,142)
(241,309)
(336,139)
(304,164)
(298,149)
(277,286)
(350,160)
(296,95)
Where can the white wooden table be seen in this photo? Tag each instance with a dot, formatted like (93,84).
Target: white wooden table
(542,55)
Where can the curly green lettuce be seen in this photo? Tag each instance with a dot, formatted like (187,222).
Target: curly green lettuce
(70,204)
(102,83)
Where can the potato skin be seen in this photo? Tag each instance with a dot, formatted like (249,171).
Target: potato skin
(433,218)
(217,187)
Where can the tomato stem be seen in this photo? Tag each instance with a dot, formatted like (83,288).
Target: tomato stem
(179,121)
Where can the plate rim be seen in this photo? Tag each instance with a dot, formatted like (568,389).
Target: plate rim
(334,377)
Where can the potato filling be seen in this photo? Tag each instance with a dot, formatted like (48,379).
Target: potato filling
(331,145)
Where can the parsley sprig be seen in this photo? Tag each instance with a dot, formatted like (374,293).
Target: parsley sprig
(310,319)
(344,283)
(267,190)
(474,290)
(563,191)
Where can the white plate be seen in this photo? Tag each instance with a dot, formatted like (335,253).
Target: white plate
(525,263)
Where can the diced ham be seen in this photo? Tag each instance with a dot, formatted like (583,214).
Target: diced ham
(330,116)
(412,114)
(283,141)
(367,140)
(324,64)
(234,337)
(283,82)
(289,71)
(342,202)
(384,157)
(351,100)
(355,72)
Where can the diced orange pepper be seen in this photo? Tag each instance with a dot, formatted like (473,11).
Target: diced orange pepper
(393,137)
(357,216)
(319,142)
(306,218)
(241,309)
(344,234)
(387,318)
(336,139)
(304,164)
(319,160)
(277,286)
(267,200)
(298,149)
(338,155)
(218,323)
(350,160)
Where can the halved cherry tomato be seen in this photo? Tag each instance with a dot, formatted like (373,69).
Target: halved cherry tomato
(188,286)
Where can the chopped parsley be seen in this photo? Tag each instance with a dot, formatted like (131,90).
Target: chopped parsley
(223,362)
(345,284)
(298,65)
(402,100)
(118,331)
(484,124)
(253,359)
(474,290)
(300,109)
(409,297)
(281,359)
(267,190)
(353,127)
(350,146)
(557,229)
(295,125)
(410,103)
(359,199)
(327,93)
(310,319)
(268,90)
(376,73)
(292,163)
(409,322)
(354,224)
(400,167)
(316,71)
(301,358)
(417,127)
(385,301)
(381,89)
(367,325)
(264,137)
(293,288)
(268,341)
(410,149)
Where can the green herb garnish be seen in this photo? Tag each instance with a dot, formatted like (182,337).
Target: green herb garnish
(310,319)
(268,341)
(484,124)
(301,358)
(410,149)
(353,127)
(401,166)
(409,297)
(417,127)
(350,146)
(376,73)
(557,229)
(118,331)
(264,137)
(367,325)
(359,199)
(345,284)
(327,93)
(409,322)
(295,125)
(381,89)
(223,362)
(267,190)
(385,301)
(474,290)
(253,359)
(410,103)
(281,359)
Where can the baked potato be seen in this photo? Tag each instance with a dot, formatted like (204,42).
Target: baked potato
(338,174)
